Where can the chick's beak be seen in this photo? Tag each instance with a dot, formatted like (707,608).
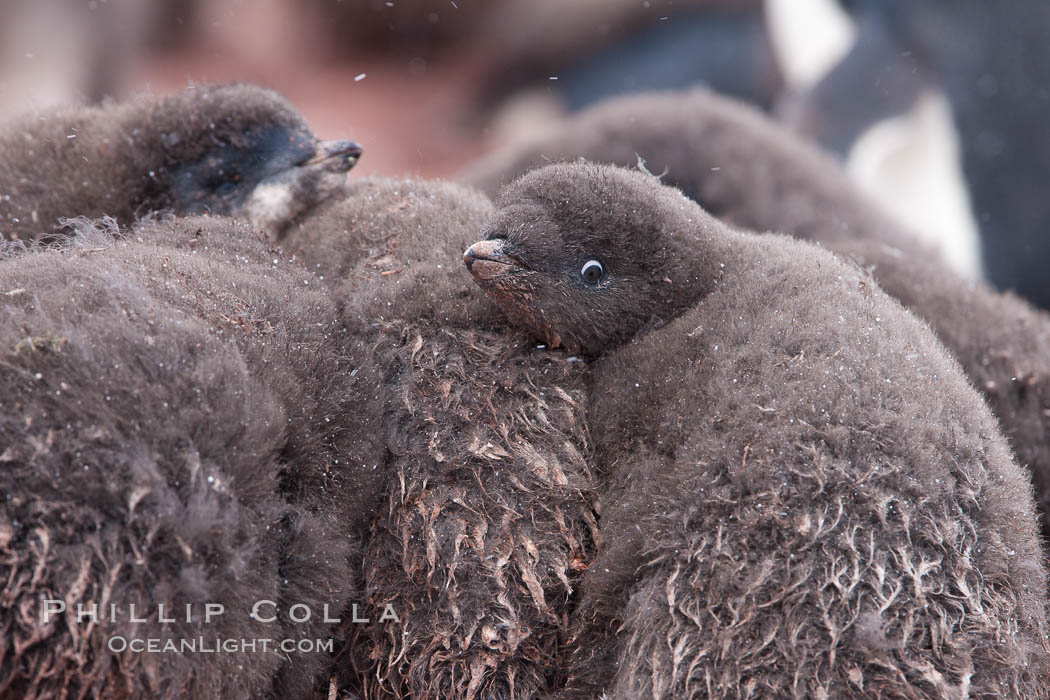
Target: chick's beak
(334,156)
(488,259)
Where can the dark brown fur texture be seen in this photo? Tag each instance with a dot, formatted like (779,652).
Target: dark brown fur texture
(752,173)
(488,521)
(807,498)
(203,150)
(176,412)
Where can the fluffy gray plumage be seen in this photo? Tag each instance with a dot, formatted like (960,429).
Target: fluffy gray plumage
(176,412)
(203,150)
(752,173)
(488,521)
(806,496)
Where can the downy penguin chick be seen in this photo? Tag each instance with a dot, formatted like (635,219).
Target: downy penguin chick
(488,520)
(174,426)
(806,497)
(223,149)
(753,173)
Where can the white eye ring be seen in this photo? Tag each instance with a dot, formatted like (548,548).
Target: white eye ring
(592,272)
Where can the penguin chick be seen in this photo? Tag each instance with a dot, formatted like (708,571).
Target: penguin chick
(214,149)
(751,172)
(488,521)
(804,490)
(174,427)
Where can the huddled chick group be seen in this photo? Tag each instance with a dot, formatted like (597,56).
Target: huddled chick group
(630,451)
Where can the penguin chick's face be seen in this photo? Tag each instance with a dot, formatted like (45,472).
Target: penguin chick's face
(587,255)
(221,178)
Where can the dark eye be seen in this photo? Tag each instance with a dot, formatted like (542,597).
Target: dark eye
(592,272)
(225,188)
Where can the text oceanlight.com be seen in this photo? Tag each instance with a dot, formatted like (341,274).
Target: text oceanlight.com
(202,645)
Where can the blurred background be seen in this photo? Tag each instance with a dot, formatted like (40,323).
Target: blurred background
(936,107)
